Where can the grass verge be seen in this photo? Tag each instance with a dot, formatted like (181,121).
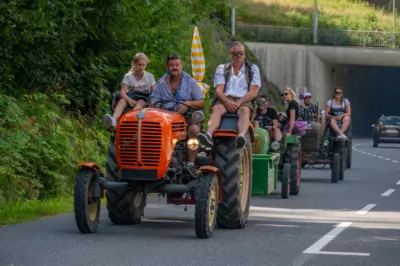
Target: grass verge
(29,210)
(338,14)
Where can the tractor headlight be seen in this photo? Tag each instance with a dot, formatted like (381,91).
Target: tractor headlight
(193,144)
(275,145)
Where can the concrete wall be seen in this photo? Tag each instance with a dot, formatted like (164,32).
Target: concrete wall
(295,66)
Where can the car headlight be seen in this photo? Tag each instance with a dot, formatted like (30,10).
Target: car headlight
(193,144)
(275,145)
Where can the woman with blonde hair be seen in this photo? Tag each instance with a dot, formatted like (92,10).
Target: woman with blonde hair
(136,86)
(293,113)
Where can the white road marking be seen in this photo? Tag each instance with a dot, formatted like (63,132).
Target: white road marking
(387,192)
(398,182)
(371,154)
(321,243)
(366,209)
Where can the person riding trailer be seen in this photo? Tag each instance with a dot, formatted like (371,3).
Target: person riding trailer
(264,111)
(236,86)
(178,86)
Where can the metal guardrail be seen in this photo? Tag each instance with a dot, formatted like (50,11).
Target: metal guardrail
(261,33)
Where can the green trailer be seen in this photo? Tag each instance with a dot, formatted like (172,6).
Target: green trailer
(276,162)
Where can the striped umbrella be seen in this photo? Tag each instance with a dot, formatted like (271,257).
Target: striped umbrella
(198,61)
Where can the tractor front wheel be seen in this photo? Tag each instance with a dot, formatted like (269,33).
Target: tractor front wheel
(206,205)
(86,207)
(123,208)
(236,169)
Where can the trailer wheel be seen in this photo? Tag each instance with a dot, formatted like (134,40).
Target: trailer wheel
(123,208)
(206,205)
(236,169)
(335,168)
(86,207)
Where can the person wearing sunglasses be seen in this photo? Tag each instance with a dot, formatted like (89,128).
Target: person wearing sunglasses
(236,86)
(135,89)
(178,86)
(292,111)
(264,111)
(338,113)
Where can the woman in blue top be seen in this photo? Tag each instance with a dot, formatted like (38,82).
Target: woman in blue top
(338,111)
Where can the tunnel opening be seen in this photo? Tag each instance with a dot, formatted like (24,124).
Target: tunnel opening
(371,91)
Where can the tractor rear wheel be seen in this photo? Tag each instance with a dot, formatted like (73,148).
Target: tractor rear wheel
(285,186)
(335,167)
(86,207)
(123,208)
(343,162)
(236,169)
(294,152)
(349,153)
(206,205)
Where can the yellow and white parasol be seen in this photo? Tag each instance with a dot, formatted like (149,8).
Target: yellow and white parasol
(198,61)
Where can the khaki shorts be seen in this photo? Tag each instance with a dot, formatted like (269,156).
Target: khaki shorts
(248,104)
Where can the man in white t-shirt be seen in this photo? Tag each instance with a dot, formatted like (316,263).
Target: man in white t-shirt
(136,86)
(236,96)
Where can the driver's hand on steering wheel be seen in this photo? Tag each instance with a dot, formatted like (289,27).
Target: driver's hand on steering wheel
(182,108)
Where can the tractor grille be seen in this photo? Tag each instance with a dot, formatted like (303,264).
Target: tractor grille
(150,144)
(310,141)
(178,127)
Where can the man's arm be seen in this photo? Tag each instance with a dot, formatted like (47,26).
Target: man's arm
(219,83)
(197,96)
(254,87)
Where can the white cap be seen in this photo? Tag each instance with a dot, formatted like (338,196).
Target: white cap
(307,94)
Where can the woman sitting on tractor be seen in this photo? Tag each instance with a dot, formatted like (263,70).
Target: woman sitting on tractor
(293,110)
(136,86)
(338,113)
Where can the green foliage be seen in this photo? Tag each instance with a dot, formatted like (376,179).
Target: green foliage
(61,60)
(41,147)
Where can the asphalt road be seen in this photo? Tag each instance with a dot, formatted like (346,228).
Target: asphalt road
(359,216)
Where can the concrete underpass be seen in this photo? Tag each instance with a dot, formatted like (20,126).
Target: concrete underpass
(370,77)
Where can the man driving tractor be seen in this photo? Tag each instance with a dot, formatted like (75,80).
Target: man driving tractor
(236,86)
(178,86)
(264,111)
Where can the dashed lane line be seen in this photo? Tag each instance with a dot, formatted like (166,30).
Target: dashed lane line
(371,154)
(387,192)
(366,209)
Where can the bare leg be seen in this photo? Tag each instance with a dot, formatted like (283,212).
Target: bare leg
(217,112)
(277,134)
(345,124)
(139,105)
(335,127)
(242,125)
(111,121)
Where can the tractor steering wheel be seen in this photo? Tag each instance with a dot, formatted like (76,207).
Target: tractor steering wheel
(173,109)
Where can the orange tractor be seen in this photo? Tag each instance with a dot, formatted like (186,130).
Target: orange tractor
(147,155)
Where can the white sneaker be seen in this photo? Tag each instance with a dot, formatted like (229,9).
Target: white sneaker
(109,121)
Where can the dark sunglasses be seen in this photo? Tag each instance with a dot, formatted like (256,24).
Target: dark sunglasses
(238,53)
(173,56)
(338,92)
(286,93)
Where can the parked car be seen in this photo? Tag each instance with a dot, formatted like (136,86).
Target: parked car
(386,130)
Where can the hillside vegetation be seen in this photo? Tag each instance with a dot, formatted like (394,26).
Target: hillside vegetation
(333,14)
(61,60)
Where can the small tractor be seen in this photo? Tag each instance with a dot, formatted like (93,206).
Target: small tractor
(280,160)
(147,154)
(321,148)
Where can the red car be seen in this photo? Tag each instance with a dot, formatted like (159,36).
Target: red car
(386,130)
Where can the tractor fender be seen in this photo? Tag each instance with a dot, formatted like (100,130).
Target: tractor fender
(213,169)
(91,165)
